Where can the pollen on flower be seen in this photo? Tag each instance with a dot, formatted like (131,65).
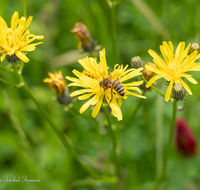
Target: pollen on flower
(16,40)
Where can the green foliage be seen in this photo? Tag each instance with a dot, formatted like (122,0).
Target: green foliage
(30,148)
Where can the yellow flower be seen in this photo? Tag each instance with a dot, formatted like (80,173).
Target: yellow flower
(91,78)
(174,66)
(56,82)
(16,39)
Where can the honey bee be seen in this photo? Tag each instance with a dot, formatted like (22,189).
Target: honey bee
(113,84)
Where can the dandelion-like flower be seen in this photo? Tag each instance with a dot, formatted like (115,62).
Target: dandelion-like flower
(15,41)
(56,82)
(91,81)
(174,66)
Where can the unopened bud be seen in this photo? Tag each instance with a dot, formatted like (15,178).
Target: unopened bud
(89,46)
(147,73)
(193,47)
(178,91)
(136,62)
(12,58)
(64,98)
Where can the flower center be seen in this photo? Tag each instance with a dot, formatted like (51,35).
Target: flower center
(172,69)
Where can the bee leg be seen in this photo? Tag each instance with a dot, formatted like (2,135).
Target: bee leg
(111,96)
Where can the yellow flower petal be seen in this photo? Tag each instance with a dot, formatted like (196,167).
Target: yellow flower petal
(22,56)
(169,91)
(30,47)
(116,110)
(78,92)
(72,79)
(186,87)
(3,57)
(92,101)
(137,95)
(97,107)
(14,20)
(152,80)
(135,88)
(157,58)
(190,78)
(86,96)
(138,83)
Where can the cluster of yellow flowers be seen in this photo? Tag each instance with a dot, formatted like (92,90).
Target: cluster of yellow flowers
(97,84)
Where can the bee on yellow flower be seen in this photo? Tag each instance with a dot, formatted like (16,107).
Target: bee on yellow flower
(16,40)
(174,67)
(93,85)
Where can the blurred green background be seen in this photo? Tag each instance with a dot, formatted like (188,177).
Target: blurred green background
(38,154)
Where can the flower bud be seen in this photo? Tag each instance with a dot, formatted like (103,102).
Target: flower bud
(147,73)
(136,62)
(193,47)
(12,58)
(178,91)
(83,35)
(184,139)
(64,98)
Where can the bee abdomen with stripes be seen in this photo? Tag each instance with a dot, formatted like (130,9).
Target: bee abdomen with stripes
(118,87)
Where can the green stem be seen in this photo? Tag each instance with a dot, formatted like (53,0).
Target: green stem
(11,84)
(132,115)
(114,140)
(159,142)
(16,124)
(166,153)
(6,69)
(24,8)
(64,139)
(21,67)
(113,34)
(153,86)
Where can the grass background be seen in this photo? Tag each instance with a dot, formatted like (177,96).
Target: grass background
(38,154)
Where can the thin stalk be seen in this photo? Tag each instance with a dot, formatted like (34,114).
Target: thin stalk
(113,34)
(167,149)
(21,67)
(11,84)
(166,155)
(16,124)
(6,69)
(132,115)
(63,138)
(114,140)
(24,8)
(159,137)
